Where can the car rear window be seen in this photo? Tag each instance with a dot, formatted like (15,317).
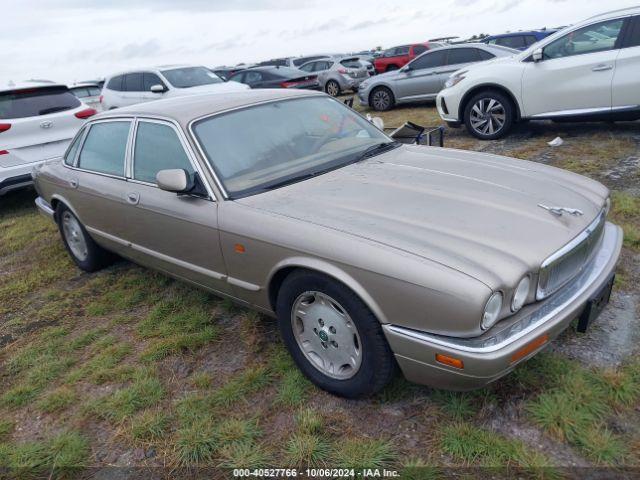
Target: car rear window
(34,102)
(350,63)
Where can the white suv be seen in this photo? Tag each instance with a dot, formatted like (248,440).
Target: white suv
(37,122)
(589,71)
(145,85)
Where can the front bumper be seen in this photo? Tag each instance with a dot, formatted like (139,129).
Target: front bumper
(44,208)
(490,356)
(447,104)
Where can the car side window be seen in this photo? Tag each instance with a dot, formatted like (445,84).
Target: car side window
(149,80)
(403,50)
(308,67)
(418,49)
(530,40)
(598,37)
(252,77)
(462,55)
(435,58)
(515,41)
(157,148)
(633,35)
(105,147)
(70,156)
(133,82)
(115,83)
(94,91)
(484,55)
(239,77)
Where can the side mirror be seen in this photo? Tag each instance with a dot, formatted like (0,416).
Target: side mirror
(378,122)
(406,68)
(174,180)
(157,89)
(537,55)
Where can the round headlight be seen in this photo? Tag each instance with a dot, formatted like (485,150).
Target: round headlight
(491,311)
(520,294)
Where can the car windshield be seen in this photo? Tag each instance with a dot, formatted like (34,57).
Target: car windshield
(263,147)
(191,77)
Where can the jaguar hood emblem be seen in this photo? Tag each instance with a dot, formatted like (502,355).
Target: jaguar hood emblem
(560,210)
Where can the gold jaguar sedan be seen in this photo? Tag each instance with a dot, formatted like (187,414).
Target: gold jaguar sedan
(453,265)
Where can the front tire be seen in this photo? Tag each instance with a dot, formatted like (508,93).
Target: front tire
(333,337)
(87,254)
(332,88)
(381,99)
(489,115)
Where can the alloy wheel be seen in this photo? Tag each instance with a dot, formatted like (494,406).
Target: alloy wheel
(487,116)
(74,236)
(381,100)
(333,88)
(326,335)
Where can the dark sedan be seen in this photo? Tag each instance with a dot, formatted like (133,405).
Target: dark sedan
(276,77)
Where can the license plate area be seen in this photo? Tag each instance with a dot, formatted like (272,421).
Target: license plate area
(595,305)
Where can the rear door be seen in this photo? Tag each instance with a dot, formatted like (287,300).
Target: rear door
(421,80)
(97,183)
(576,73)
(38,124)
(174,233)
(626,77)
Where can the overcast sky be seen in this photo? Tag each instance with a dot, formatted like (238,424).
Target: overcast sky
(73,40)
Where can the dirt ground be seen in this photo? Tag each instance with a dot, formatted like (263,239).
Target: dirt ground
(125,373)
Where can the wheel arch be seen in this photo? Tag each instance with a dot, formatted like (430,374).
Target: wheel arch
(378,86)
(286,267)
(484,87)
(57,200)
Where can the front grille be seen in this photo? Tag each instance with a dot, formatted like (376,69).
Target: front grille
(570,260)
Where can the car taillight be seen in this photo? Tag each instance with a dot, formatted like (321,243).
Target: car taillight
(342,70)
(84,114)
(4,152)
(101,97)
(4,127)
(289,84)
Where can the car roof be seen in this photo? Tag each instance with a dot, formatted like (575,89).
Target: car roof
(185,109)
(614,13)
(153,68)
(29,84)
(83,84)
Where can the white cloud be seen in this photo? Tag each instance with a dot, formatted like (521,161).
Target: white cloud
(72,40)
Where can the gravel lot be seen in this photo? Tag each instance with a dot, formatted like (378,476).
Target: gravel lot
(127,368)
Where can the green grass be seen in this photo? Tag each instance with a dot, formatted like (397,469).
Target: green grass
(146,390)
(309,421)
(6,428)
(294,389)
(252,380)
(457,406)
(362,452)
(57,400)
(67,450)
(149,425)
(243,455)
(307,450)
(201,380)
(475,446)
(196,443)
(237,430)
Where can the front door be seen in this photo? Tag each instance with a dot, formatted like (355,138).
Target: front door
(170,232)
(421,79)
(575,74)
(625,93)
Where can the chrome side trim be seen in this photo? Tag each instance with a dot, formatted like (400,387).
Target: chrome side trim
(44,208)
(160,256)
(242,284)
(548,310)
(584,111)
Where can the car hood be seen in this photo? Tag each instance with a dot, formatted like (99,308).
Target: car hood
(473,212)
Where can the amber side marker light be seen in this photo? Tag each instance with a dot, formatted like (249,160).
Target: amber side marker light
(529,347)
(447,360)
(239,248)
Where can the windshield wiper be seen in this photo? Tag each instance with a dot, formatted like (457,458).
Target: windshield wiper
(376,149)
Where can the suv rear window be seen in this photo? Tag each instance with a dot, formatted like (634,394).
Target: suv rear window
(33,102)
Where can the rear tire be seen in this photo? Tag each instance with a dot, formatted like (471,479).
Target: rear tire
(337,325)
(381,99)
(489,115)
(332,88)
(87,254)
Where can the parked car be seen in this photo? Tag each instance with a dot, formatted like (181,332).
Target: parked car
(336,75)
(145,85)
(276,77)
(290,202)
(367,62)
(225,72)
(37,122)
(588,71)
(518,40)
(422,78)
(397,57)
(89,93)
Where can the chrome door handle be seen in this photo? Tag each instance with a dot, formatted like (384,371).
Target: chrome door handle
(601,68)
(73,183)
(133,198)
